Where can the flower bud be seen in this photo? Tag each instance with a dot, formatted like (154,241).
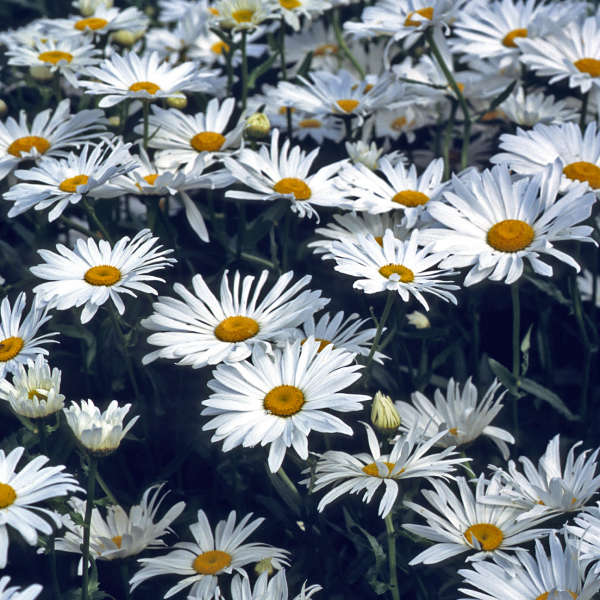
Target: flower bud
(264,565)
(179,102)
(418,320)
(126,38)
(384,415)
(114,121)
(88,7)
(258,126)
(41,73)
(3,108)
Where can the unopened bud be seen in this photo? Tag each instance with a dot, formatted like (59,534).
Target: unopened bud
(114,121)
(41,73)
(418,319)
(258,126)
(264,565)
(179,102)
(384,415)
(126,38)
(3,108)
(88,7)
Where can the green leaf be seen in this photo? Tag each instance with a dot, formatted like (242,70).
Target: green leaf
(525,347)
(260,70)
(305,65)
(505,376)
(548,287)
(548,396)
(500,98)
(75,331)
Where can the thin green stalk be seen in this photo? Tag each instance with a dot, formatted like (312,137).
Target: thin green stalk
(89,209)
(516,349)
(106,489)
(391,543)
(43,436)
(123,341)
(241,206)
(281,43)
(288,482)
(464,155)
(85,551)
(244,69)
(584,108)
(348,126)
(70,224)
(389,302)
(146,113)
(447,139)
(57,90)
(124,570)
(337,28)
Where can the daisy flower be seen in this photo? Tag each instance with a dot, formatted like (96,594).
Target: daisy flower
(384,415)
(18,342)
(407,459)
(531,577)
(181,138)
(550,489)
(400,188)
(202,330)
(34,393)
(14,593)
(264,588)
(202,561)
(278,399)
(172,11)
(94,272)
(48,134)
(121,534)
(275,173)
(493,222)
(467,523)
(237,15)
(131,76)
(463,414)
(292,10)
(395,266)
(60,182)
(21,491)
(587,531)
(100,433)
(325,127)
(530,152)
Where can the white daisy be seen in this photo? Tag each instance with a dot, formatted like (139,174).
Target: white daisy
(131,76)
(201,562)
(467,523)
(463,414)
(14,593)
(550,489)
(278,399)
(292,10)
(275,173)
(48,134)
(407,459)
(560,575)
(238,15)
(175,10)
(21,491)
(99,432)
(65,181)
(34,393)
(202,330)
(264,588)
(587,530)
(121,534)
(493,222)
(94,272)
(394,265)
(17,339)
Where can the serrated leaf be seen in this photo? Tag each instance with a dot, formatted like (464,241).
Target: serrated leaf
(548,396)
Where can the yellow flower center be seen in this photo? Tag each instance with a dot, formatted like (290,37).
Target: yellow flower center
(118,540)
(211,562)
(511,235)
(7,495)
(102,275)
(292,185)
(347,105)
(583,171)
(283,109)
(588,65)
(398,123)
(545,595)
(243,16)
(426,13)
(54,56)
(207,141)
(236,329)
(492,115)
(453,430)
(406,275)
(310,124)
(92,23)
(379,239)
(213,11)
(144,86)
(410,198)
(325,49)
(371,469)
(284,400)
(27,143)
(70,185)
(10,347)
(290,4)
(509,39)
(489,536)
(151,178)
(322,343)
(220,47)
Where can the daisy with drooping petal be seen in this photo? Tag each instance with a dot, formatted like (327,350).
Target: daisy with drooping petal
(94,272)
(100,432)
(275,173)
(131,76)
(202,330)
(21,491)
(34,393)
(494,222)
(467,523)
(550,489)
(202,561)
(560,575)
(17,340)
(394,266)
(65,181)
(407,459)
(530,152)
(463,414)
(278,399)
(14,593)
(48,134)
(264,588)
(121,534)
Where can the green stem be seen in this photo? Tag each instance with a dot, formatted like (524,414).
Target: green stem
(89,209)
(244,69)
(241,206)
(106,489)
(288,482)
(584,108)
(43,436)
(516,329)
(123,341)
(125,578)
(87,520)
(146,111)
(389,301)
(447,139)
(342,43)
(55,583)
(288,112)
(391,542)
(70,224)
